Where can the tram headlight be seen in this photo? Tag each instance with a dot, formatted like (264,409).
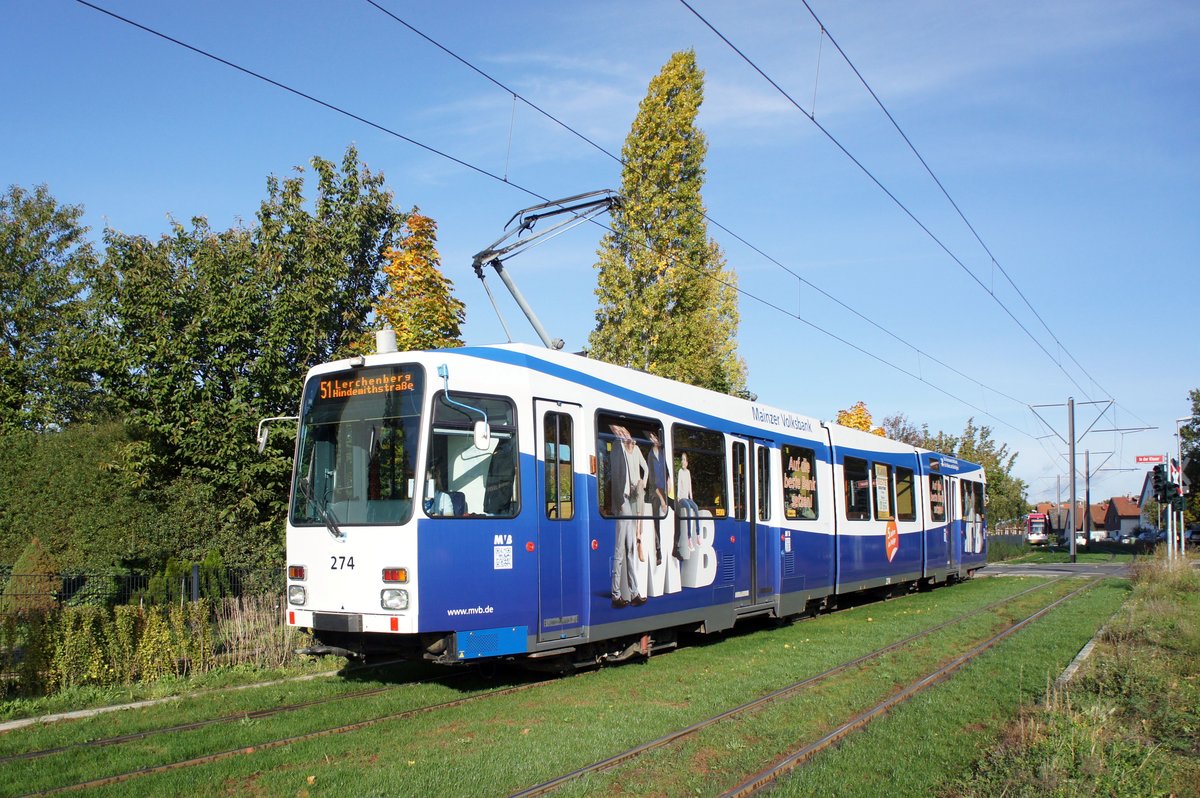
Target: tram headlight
(394,599)
(297,595)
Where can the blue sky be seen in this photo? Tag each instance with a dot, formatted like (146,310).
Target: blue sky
(1067,131)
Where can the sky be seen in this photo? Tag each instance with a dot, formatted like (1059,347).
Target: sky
(1065,132)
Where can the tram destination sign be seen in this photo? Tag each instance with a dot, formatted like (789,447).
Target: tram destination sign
(1151,458)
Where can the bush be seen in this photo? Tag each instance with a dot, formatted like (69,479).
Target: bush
(33,585)
(81,652)
(100,589)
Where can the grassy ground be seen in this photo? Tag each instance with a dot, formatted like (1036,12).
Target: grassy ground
(504,744)
(1129,722)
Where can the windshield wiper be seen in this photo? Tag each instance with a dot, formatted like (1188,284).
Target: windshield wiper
(326,514)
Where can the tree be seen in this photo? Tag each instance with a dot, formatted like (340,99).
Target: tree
(202,333)
(43,257)
(34,584)
(1189,435)
(858,417)
(1005,492)
(419,304)
(900,428)
(666,302)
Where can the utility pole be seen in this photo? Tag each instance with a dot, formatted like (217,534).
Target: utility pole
(1071,460)
(1070,442)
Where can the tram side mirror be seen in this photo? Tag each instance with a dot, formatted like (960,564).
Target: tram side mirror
(483,435)
(265,425)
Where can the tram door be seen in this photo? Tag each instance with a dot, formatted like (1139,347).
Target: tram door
(755,577)
(561,521)
(954,523)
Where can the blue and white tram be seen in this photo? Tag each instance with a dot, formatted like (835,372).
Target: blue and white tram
(514,501)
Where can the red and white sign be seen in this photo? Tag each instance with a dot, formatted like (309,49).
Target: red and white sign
(1150,458)
(892,541)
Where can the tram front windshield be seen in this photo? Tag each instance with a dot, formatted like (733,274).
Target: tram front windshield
(358,447)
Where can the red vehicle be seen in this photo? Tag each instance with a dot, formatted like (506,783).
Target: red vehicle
(1037,527)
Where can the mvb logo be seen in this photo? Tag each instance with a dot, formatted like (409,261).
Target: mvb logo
(502,540)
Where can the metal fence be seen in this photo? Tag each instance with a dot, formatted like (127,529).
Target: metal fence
(115,586)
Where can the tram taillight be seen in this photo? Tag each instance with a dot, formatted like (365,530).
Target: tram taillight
(395,574)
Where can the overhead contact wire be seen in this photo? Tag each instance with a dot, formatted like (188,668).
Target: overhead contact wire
(502,179)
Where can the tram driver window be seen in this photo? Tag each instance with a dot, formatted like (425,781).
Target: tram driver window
(460,479)
(857,480)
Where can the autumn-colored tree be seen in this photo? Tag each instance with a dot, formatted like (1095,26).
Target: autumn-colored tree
(419,304)
(666,302)
(859,417)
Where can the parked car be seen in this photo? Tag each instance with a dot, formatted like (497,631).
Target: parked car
(1151,536)
(1193,536)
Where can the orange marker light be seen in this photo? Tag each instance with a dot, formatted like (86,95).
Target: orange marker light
(296,572)
(395,574)
(395,624)
(529,546)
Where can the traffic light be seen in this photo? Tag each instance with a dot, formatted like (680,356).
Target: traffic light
(1177,502)
(1160,482)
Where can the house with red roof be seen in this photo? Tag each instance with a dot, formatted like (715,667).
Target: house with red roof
(1122,517)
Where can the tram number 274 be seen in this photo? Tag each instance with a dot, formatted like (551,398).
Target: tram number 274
(338,563)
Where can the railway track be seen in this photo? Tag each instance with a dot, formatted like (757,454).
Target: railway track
(251,748)
(798,757)
(283,741)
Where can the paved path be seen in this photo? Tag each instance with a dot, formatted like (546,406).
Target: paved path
(1119,569)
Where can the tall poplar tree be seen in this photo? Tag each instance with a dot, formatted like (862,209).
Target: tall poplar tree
(666,303)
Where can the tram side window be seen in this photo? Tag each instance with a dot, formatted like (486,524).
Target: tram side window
(739,481)
(906,498)
(883,492)
(980,500)
(763,470)
(799,483)
(632,466)
(461,480)
(560,447)
(937,497)
(699,460)
(972,500)
(857,479)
